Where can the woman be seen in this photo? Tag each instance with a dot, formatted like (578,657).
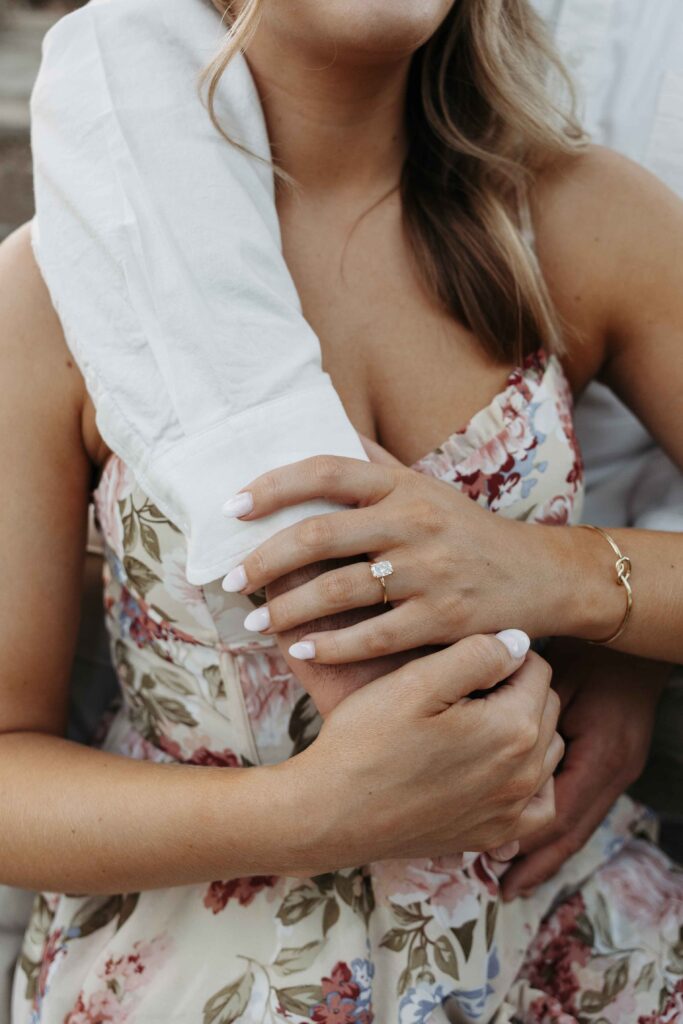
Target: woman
(420,940)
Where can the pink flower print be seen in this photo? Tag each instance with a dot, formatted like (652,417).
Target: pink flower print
(555,512)
(643,886)
(341,982)
(54,948)
(451,891)
(244,890)
(556,950)
(672,1011)
(547,1010)
(174,568)
(215,758)
(101,1008)
(116,485)
(126,974)
(343,1002)
(335,1010)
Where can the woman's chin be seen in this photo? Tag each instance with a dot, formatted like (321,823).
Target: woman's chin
(363,30)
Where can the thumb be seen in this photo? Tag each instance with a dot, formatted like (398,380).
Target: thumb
(478,662)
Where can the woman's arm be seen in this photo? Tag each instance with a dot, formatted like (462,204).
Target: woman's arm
(75,819)
(610,240)
(458,568)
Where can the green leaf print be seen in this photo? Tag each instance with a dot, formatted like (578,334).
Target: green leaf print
(395,939)
(465,936)
(129,531)
(298,998)
(95,913)
(324,882)
(150,541)
(172,681)
(445,957)
(330,914)
(140,575)
(646,978)
(128,905)
(176,712)
(31,969)
(303,724)
(601,920)
(293,959)
(418,958)
(213,677)
(584,930)
(298,904)
(229,1004)
(615,980)
(404,980)
(412,914)
(491,917)
(355,889)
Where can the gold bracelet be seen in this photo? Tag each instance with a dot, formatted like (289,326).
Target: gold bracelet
(623,568)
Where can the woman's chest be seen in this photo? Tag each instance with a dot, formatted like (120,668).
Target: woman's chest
(407,373)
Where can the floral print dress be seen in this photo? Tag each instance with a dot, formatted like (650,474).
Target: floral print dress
(403,942)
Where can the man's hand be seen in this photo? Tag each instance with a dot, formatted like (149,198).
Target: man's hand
(609,702)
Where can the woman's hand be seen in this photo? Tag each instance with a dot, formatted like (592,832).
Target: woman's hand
(413,765)
(457,569)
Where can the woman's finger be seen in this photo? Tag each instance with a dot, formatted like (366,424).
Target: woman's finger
(348,481)
(333,535)
(399,629)
(448,677)
(340,590)
(539,812)
(537,704)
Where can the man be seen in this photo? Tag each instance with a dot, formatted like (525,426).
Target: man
(629,94)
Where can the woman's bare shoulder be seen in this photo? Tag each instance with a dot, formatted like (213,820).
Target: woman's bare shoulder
(36,366)
(606,231)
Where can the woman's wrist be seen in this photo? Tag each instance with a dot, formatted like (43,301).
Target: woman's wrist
(587,603)
(292,831)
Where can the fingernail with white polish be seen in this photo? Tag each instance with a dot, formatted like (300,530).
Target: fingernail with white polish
(303,651)
(517,642)
(258,620)
(241,505)
(236,580)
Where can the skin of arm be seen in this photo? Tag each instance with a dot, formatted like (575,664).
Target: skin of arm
(75,819)
(611,268)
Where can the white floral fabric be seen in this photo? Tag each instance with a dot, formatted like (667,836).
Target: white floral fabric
(403,942)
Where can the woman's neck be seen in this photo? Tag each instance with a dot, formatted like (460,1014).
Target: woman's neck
(333,126)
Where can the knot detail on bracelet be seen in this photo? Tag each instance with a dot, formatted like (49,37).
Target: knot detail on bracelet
(623,569)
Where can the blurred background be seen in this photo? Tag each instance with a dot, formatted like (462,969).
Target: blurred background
(22,26)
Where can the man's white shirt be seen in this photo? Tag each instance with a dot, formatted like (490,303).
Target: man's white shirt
(626,57)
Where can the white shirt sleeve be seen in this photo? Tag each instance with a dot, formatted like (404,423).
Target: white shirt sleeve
(159,243)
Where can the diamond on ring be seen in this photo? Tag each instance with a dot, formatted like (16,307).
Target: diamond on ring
(381,569)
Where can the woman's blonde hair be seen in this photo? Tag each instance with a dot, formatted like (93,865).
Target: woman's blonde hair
(489,106)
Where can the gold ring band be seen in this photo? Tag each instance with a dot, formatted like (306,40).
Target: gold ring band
(380,570)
